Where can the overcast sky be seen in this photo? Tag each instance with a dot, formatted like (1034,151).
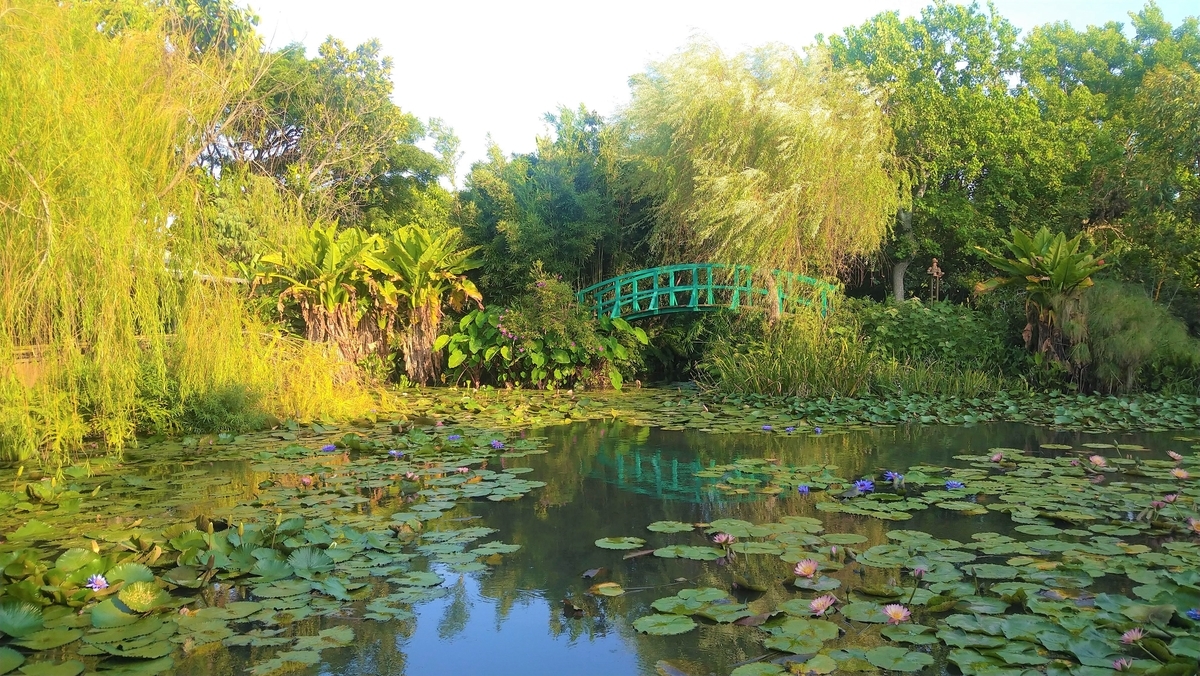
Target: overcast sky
(497,67)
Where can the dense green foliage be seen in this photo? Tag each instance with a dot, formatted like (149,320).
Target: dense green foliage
(545,340)
(875,150)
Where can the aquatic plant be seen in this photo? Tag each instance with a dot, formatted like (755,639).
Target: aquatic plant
(896,613)
(864,485)
(821,604)
(806,568)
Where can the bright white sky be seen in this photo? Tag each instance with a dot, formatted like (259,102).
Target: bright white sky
(490,66)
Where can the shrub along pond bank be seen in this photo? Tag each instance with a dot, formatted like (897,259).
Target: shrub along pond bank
(219,553)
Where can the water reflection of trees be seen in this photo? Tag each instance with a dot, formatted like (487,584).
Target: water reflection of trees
(587,497)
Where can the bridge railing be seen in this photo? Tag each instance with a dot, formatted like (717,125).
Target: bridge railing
(693,287)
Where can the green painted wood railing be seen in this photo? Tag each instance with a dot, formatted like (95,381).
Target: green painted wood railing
(701,287)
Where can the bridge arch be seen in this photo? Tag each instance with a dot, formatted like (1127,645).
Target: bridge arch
(700,287)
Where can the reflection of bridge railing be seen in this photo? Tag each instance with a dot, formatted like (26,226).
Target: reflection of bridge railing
(700,287)
(649,473)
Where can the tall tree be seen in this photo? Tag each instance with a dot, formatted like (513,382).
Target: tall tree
(566,204)
(769,158)
(975,149)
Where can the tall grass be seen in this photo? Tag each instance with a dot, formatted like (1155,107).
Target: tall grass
(803,355)
(809,355)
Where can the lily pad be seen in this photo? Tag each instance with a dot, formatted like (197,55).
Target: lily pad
(620,543)
(664,625)
(19,618)
(898,659)
(670,527)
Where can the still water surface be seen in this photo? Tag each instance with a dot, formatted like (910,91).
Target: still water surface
(611,479)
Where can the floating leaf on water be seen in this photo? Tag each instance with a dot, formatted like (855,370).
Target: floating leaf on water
(898,659)
(19,618)
(864,612)
(819,664)
(418,579)
(670,527)
(142,597)
(916,634)
(10,659)
(107,614)
(48,639)
(607,589)
(759,669)
(689,552)
(68,668)
(664,625)
(129,572)
(620,543)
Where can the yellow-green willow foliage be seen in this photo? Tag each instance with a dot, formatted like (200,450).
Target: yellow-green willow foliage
(768,158)
(103,324)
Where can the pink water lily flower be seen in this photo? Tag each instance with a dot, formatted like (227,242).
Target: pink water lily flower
(896,613)
(1180,473)
(806,568)
(1174,456)
(1133,636)
(1098,461)
(819,605)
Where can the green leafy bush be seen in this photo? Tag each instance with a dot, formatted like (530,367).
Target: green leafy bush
(546,340)
(950,335)
(1133,343)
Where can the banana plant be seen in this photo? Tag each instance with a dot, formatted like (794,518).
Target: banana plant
(329,279)
(420,272)
(1053,271)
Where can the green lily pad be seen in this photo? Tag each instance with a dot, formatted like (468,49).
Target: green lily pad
(129,572)
(916,634)
(68,668)
(107,614)
(48,639)
(142,597)
(10,659)
(819,664)
(991,571)
(865,612)
(670,527)
(689,552)
(898,659)
(620,543)
(664,625)
(19,618)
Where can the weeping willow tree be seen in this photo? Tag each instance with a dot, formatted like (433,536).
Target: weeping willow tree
(767,158)
(101,121)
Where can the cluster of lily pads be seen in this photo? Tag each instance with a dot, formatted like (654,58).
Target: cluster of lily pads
(343,525)
(1103,575)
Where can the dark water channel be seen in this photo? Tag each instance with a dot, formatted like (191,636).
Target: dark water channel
(611,479)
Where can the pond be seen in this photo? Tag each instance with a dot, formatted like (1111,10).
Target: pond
(564,582)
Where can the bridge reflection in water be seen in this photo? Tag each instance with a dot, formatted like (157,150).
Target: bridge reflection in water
(663,476)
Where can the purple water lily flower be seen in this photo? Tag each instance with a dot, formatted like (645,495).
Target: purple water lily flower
(396,455)
(1193,614)
(789,429)
(802,489)
(864,485)
(454,437)
(892,476)
(328,448)
(766,428)
(97,583)
(816,430)
(497,444)
(954,485)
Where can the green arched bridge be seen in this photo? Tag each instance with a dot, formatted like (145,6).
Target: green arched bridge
(700,287)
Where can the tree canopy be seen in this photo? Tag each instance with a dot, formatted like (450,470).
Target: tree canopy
(769,157)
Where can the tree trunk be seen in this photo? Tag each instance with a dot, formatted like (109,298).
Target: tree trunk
(422,363)
(901,266)
(898,270)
